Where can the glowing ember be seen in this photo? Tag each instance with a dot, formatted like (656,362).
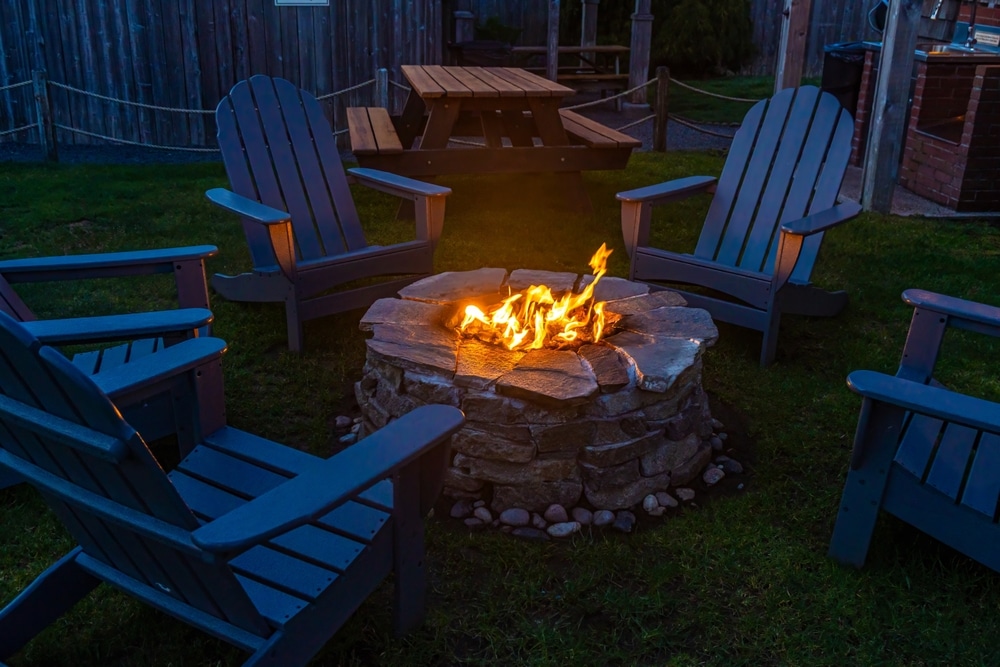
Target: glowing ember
(534,318)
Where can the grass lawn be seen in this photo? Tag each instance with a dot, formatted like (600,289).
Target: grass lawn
(739,580)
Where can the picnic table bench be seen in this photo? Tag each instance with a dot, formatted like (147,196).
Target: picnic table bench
(516,113)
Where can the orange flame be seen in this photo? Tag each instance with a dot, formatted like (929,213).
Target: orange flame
(534,319)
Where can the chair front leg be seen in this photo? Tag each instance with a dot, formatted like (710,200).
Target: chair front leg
(429,214)
(635,219)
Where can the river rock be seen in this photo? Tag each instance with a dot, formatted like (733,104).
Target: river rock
(532,534)
(624,522)
(461,509)
(604,518)
(483,514)
(665,499)
(713,476)
(556,514)
(515,516)
(583,516)
(564,529)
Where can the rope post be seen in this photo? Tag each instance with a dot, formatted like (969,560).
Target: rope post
(642,38)
(382,88)
(43,110)
(662,99)
(552,42)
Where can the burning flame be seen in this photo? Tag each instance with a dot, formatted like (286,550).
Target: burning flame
(534,318)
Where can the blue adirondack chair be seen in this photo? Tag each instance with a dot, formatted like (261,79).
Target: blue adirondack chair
(149,408)
(290,189)
(262,545)
(925,454)
(775,197)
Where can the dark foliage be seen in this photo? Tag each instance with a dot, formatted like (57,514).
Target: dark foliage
(692,37)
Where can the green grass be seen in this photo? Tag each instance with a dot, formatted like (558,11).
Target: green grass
(741,580)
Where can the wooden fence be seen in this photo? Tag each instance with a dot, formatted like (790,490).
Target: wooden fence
(188,53)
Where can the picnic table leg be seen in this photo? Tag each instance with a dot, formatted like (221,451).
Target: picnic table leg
(409,125)
(548,122)
(440,120)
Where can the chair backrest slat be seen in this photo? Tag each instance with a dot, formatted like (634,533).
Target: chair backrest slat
(278,149)
(730,180)
(757,171)
(11,303)
(278,160)
(827,188)
(335,176)
(240,178)
(791,162)
(41,378)
(787,160)
(305,155)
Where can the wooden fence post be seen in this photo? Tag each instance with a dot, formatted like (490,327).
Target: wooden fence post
(552,43)
(662,99)
(465,22)
(43,110)
(588,27)
(382,88)
(642,37)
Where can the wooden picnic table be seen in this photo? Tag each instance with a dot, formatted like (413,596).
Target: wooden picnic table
(598,66)
(515,112)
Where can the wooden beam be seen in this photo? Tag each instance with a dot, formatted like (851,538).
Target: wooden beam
(552,43)
(792,45)
(588,27)
(642,39)
(890,112)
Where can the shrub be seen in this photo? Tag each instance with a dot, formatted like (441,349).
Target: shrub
(690,36)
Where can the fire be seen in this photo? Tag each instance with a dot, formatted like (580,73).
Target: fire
(535,318)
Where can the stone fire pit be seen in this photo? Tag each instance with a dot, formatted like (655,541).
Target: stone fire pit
(605,425)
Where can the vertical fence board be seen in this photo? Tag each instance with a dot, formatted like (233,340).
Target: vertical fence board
(191,70)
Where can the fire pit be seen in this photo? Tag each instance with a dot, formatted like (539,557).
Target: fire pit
(606,422)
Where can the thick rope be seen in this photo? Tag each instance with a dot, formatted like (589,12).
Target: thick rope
(695,127)
(136,143)
(337,93)
(636,122)
(399,85)
(14,85)
(584,105)
(715,95)
(17,129)
(154,107)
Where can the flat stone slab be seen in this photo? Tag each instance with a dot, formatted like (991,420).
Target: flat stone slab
(402,311)
(550,377)
(480,363)
(658,361)
(691,323)
(645,302)
(521,279)
(452,286)
(423,347)
(609,369)
(611,288)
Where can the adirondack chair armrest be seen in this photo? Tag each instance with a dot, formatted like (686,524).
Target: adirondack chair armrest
(98,265)
(167,363)
(331,482)
(822,221)
(394,184)
(958,310)
(662,193)
(247,208)
(128,326)
(929,400)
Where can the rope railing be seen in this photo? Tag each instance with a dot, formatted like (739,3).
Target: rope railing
(711,94)
(690,124)
(12,86)
(141,105)
(117,140)
(17,129)
(382,86)
(337,93)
